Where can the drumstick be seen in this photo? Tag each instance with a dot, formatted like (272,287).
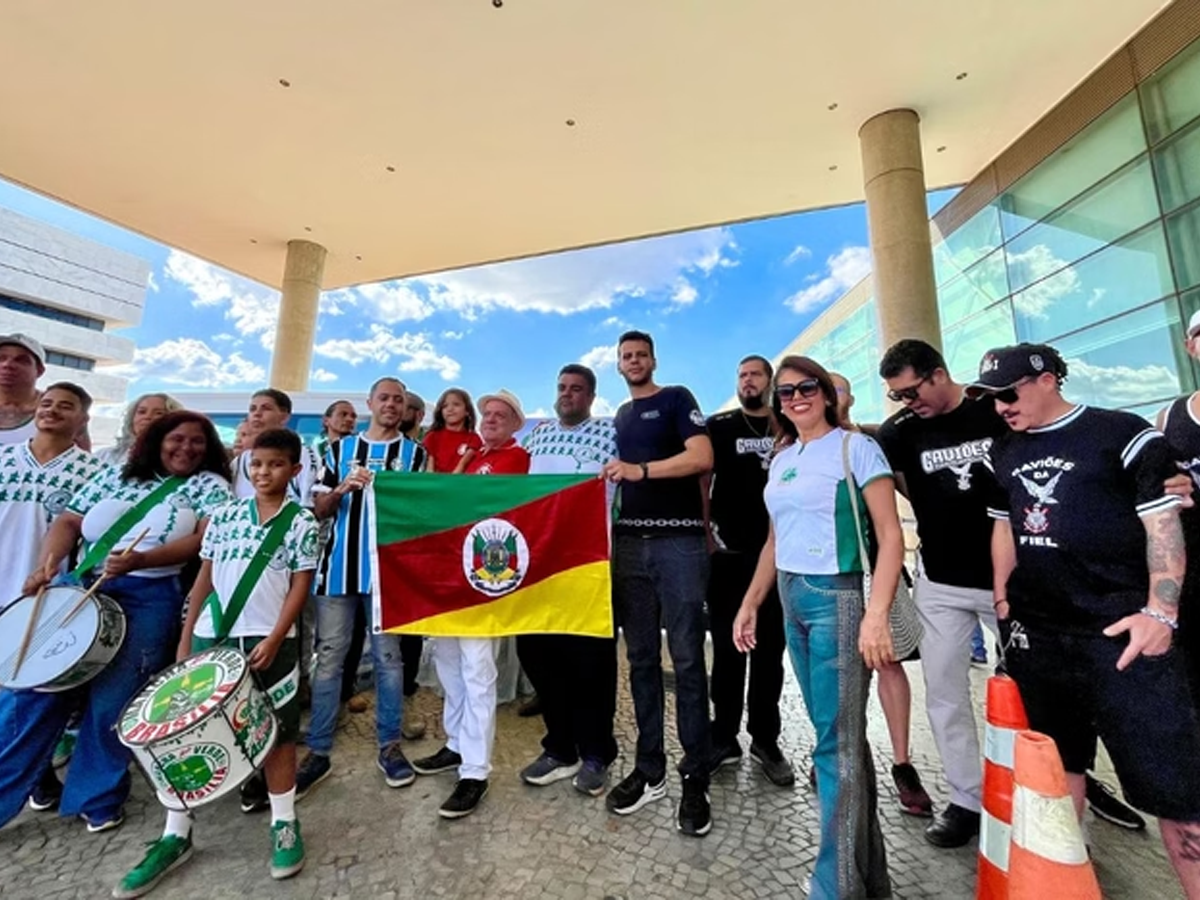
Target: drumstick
(99,581)
(33,617)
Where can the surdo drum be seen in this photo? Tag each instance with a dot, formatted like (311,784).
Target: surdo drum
(60,656)
(200,728)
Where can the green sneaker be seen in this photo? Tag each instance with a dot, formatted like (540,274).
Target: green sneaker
(167,853)
(287,853)
(63,750)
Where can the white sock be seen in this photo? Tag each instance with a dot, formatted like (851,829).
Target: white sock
(283,806)
(178,824)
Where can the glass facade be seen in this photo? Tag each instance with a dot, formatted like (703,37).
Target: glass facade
(1096,251)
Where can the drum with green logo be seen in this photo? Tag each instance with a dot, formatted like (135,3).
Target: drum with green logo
(200,728)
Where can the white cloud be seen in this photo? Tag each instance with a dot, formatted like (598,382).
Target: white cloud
(453,335)
(685,293)
(844,269)
(615,322)
(323,375)
(151,283)
(415,352)
(801,252)
(1118,385)
(602,407)
(1037,262)
(600,357)
(190,362)
(390,301)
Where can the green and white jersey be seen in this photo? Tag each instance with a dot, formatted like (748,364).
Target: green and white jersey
(31,495)
(555,449)
(231,540)
(106,498)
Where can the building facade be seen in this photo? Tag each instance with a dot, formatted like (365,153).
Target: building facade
(70,293)
(1084,234)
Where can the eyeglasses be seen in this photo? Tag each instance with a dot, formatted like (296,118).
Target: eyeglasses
(807,388)
(1009,395)
(908,394)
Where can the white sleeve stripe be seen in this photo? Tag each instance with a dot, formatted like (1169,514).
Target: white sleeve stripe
(1158,504)
(1134,447)
(1000,514)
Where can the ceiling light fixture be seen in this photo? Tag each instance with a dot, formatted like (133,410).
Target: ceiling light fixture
(307,228)
(285,82)
(570,123)
(960,76)
(253,240)
(391,168)
(941,149)
(831,107)
(833,168)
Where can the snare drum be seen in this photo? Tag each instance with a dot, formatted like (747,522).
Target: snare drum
(200,728)
(60,656)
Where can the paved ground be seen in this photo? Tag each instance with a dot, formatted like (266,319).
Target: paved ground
(365,840)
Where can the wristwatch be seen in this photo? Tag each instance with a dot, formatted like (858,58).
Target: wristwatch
(645,471)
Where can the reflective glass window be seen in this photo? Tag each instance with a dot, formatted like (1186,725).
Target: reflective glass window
(1184,231)
(1171,97)
(1177,165)
(976,289)
(1104,146)
(964,344)
(1115,207)
(971,241)
(1130,361)
(1122,276)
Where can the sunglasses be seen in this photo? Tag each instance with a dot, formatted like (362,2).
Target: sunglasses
(807,388)
(1009,395)
(908,394)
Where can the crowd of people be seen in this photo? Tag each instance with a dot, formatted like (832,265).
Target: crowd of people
(773,527)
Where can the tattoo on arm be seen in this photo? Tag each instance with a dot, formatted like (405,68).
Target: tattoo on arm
(1166,592)
(1165,557)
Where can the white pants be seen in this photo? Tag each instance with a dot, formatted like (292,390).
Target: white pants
(949,615)
(466,668)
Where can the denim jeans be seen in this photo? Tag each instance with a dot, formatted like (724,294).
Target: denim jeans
(335,623)
(660,582)
(98,781)
(822,615)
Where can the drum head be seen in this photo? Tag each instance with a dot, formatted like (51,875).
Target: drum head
(53,648)
(182,695)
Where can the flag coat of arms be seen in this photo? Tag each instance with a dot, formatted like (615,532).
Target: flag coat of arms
(490,556)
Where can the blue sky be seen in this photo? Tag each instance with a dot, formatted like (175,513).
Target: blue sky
(709,297)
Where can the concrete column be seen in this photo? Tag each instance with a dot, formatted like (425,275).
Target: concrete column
(297,327)
(894,182)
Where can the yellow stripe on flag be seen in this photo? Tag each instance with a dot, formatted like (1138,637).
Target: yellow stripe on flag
(577,601)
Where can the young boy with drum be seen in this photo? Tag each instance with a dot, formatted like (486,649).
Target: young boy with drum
(257,561)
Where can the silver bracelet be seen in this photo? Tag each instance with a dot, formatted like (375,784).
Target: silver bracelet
(1173,624)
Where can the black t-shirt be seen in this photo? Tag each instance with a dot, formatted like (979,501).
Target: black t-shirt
(653,428)
(1183,434)
(1074,492)
(741,459)
(943,461)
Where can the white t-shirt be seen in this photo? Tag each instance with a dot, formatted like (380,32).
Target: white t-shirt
(557,450)
(31,495)
(106,498)
(300,488)
(20,434)
(809,503)
(231,540)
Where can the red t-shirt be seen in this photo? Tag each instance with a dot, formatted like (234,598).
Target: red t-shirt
(507,459)
(447,447)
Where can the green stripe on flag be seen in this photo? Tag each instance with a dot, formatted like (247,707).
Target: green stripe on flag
(412,504)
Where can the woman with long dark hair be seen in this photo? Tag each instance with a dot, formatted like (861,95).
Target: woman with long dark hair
(452,439)
(175,478)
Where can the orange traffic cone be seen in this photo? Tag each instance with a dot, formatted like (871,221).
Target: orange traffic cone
(1048,857)
(1005,717)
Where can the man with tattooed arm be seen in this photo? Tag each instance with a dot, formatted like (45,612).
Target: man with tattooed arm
(1089,557)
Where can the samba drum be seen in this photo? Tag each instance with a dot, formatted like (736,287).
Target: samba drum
(200,728)
(59,656)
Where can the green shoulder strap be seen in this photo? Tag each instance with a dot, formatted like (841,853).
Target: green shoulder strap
(224,620)
(99,550)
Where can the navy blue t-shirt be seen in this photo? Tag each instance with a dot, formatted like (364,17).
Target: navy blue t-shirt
(648,429)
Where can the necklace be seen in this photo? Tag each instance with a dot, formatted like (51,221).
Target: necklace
(750,424)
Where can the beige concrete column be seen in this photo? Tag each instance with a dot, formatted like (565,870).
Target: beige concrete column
(297,326)
(894,181)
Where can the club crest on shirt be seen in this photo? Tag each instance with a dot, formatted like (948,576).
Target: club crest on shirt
(697,418)
(495,557)
(57,502)
(788,476)
(1040,484)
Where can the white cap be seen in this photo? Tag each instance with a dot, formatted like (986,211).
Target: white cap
(508,397)
(28,343)
(1194,324)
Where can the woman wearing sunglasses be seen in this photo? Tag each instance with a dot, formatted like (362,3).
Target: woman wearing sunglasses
(819,486)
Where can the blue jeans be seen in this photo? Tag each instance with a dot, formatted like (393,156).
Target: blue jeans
(661,582)
(822,615)
(98,781)
(335,624)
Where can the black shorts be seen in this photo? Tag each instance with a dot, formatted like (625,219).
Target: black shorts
(1073,692)
(280,681)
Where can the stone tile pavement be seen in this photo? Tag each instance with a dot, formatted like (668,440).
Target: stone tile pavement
(365,840)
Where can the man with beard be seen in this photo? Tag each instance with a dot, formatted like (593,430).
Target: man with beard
(414,415)
(660,575)
(742,442)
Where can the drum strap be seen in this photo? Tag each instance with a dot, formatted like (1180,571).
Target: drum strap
(124,524)
(224,620)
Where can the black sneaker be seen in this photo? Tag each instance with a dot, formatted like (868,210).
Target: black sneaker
(467,794)
(724,755)
(777,769)
(695,814)
(634,792)
(1102,801)
(913,798)
(47,793)
(313,769)
(442,761)
(254,794)
(952,827)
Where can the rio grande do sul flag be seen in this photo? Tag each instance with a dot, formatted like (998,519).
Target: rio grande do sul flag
(491,555)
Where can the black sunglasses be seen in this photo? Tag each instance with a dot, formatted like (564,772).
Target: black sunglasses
(809,387)
(909,394)
(1010,395)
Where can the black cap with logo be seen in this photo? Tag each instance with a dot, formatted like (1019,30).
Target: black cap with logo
(1006,367)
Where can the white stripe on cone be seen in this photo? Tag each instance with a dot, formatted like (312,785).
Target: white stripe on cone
(994,837)
(1048,827)
(998,745)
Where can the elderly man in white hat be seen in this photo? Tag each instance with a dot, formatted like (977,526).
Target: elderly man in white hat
(466,666)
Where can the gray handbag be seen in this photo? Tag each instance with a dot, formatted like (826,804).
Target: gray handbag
(906,627)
